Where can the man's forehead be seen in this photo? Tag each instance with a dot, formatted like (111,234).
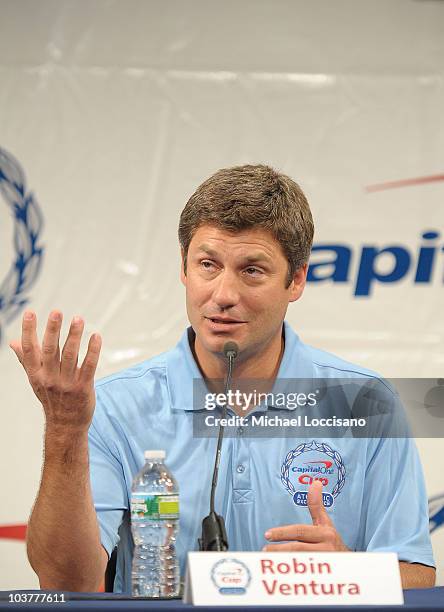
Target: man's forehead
(255,243)
(255,254)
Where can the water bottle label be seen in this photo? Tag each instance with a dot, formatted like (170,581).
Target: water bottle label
(154,507)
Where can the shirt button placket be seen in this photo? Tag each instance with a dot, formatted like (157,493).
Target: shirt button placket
(241,464)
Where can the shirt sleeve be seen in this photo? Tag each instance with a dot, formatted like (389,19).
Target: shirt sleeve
(108,486)
(395,509)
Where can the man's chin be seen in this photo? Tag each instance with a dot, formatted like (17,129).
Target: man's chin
(215,342)
(216,345)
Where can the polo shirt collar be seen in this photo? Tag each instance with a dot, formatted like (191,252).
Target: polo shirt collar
(182,368)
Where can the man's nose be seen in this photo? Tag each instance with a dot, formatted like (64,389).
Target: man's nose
(226,293)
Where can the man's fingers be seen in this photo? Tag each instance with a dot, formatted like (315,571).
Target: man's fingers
(30,350)
(302,533)
(50,345)
(322,535)
(70,352)
(315,504)
(89,365)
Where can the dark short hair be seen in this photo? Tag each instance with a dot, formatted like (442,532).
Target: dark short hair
(247,197)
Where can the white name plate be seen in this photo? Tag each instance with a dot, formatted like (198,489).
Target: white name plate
(259,578)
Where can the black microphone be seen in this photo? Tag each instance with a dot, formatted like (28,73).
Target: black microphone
(214,535)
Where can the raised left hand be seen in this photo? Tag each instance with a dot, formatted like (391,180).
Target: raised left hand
(320,536)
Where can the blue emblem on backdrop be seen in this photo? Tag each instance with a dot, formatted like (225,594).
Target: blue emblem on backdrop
(313,461)
(436,512)
(28,252)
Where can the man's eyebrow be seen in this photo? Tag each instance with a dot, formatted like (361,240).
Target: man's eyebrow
(249,259)
(207,249)
(257,257)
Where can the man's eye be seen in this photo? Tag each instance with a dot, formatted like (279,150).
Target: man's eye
(253,271)
(207,265)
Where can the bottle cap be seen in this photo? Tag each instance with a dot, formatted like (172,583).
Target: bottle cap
(154,454)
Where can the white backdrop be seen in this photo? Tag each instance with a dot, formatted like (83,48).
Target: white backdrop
(117,110)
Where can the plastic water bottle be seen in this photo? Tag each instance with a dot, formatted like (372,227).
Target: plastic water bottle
(154,525)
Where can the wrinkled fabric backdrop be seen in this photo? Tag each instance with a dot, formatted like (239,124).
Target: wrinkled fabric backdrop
(112,112)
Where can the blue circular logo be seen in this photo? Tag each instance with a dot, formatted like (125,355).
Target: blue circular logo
(28,251)
(321,463)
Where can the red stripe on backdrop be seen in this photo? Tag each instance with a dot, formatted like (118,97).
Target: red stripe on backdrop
(13,532)
(405,183)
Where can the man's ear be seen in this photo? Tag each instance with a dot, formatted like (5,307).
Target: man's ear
(297,285)
(183,276)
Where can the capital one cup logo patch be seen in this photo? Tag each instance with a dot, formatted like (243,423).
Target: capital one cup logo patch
(313,461)
(23,249)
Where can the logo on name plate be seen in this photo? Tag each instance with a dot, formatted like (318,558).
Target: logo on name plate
(312,461)
(231,577)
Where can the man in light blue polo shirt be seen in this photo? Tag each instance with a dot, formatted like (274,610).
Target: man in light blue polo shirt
(382,477)
(245,235)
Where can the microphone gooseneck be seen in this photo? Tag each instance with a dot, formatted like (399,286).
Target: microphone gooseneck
(214,535)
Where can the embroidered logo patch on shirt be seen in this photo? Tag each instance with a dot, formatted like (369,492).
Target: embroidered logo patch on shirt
(313,461)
